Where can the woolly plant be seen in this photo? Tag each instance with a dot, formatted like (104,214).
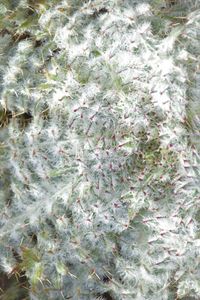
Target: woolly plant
(100,159)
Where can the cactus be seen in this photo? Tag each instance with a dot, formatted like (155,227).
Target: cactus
(100,160)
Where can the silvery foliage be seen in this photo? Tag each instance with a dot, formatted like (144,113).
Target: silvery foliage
(104,179)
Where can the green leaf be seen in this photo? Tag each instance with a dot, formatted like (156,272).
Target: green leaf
(37,273)
(96,53)
(45,86)
(29,22)
(29,258)
(61,268)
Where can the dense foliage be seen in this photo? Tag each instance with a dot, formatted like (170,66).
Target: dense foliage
(99,148)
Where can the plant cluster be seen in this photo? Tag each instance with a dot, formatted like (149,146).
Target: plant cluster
(99,148)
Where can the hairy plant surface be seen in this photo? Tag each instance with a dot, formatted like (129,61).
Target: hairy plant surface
(99,148)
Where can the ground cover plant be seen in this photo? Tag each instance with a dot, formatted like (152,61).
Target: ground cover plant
(99,147)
